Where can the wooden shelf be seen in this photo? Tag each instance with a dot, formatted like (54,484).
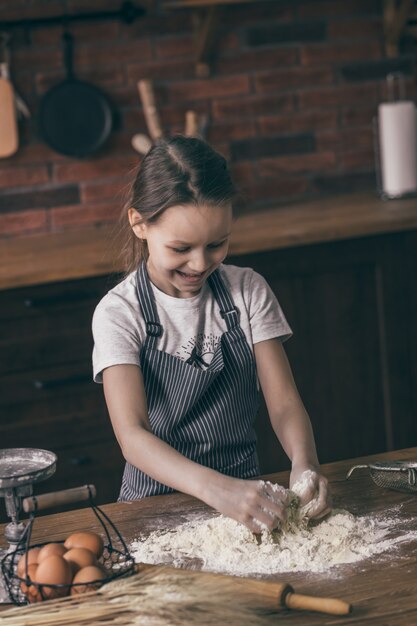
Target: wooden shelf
(53,257)
(181,4)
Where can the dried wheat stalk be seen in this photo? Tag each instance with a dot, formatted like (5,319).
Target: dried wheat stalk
(159,597)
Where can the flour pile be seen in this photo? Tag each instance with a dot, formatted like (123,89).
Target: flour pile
(220,544)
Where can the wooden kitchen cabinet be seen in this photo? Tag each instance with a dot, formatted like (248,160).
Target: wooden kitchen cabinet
(353,307)
(47,396)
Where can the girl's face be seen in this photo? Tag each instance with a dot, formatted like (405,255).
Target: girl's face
(186,244)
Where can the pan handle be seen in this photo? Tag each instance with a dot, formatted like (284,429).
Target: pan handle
(68,52)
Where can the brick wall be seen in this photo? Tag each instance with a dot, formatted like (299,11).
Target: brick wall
(294,88)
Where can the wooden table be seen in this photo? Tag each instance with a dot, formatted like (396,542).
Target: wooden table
(383,590)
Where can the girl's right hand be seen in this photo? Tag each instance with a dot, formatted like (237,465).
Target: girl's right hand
(257,504)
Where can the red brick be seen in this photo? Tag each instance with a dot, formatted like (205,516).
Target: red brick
(134,121)
(284,80)
(237,130)
(294,163)
(118,53)
(243,173)
(256,59)
(120,144)
(345,140)
(358,116)
(39,58)
(339,95)
(22,10)
(184,45)
(170,116)
(353,29)
(33,153)
(115,192)
(201,89)
(338,8)
(103,168)
(338,53)
(252,106)
(157,24)
(177,46)
(75,216)
(23,176)
(125,96)
(103,78)
(81,31)
(161,70)
(273,191)
(298,122)
(223,148)
(357,160)
(22,222)
(248,14)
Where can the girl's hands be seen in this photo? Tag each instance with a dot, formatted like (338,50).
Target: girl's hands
(312,489)
(257,504)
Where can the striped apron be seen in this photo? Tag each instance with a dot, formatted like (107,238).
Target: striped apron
(207,415)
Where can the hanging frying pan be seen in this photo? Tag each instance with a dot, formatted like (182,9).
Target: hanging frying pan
(75,118)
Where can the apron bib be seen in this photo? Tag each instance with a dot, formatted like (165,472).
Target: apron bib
(206,415)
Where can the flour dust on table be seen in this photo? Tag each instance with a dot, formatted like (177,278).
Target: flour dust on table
(219,544)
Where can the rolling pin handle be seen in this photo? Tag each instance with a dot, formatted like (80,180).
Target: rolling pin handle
(57,498)
(311,603)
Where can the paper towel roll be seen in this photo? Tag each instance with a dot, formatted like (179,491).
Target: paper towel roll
(397,123)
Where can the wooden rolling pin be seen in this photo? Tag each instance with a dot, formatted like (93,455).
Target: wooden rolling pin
(147,96)
(58,498)
(271,595)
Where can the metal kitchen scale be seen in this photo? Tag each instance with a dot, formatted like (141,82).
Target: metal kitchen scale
(20,469)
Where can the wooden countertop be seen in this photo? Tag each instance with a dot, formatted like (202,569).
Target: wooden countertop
(94,251)
(383,590)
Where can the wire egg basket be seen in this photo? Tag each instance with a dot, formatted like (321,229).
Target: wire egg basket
(114,561)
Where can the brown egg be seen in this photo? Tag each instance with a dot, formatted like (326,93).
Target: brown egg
(88,540)
(54,570)
(34,594)
(32,557)
(87,575)
(31,574)
(79,558)
(51,549)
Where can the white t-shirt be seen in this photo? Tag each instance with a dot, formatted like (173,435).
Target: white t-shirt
(192,327)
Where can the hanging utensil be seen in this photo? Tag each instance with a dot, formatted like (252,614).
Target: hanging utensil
(141,143)
(75,118)
(9,141)
(147,96)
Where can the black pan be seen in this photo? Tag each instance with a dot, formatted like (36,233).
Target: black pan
(75,118)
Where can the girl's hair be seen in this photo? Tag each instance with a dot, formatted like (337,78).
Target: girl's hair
(176,171)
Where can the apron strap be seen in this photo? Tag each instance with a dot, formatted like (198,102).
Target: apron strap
(148,306)
(228,311)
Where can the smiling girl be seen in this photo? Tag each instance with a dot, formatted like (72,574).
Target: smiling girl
(184,342)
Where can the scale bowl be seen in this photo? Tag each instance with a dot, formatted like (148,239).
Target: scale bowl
(25,466)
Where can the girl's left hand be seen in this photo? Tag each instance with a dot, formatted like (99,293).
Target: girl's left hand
(312,489)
